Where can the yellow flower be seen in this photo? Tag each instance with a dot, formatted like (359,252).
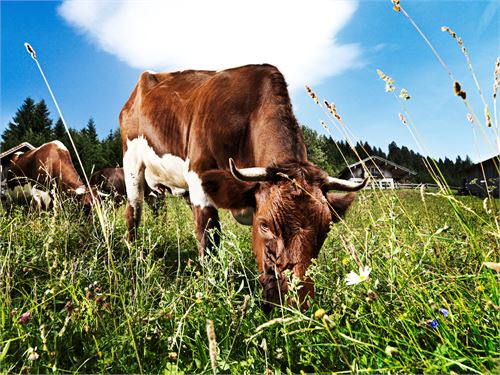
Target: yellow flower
(353,278)
(345,261)
(319,314)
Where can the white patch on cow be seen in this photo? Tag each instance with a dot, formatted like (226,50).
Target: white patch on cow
(178,192)
(166,170)
(27,193)
(41,198)
(80,190)
(60,145)
(150,71)
(196,193)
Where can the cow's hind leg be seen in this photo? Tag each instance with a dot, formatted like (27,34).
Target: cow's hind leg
(207,228)
(134,182)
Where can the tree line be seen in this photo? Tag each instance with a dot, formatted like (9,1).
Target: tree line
(333,156)
(32,123)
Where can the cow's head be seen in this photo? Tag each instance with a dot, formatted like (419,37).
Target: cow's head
(86,197)
(292,211)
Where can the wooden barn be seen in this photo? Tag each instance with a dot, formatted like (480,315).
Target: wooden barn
(483,176)
(384,174)
(5,158)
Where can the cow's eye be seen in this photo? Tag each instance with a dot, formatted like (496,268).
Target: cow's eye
(263,227)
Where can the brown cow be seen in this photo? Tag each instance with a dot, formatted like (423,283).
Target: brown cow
(31,173)
(189,130)
(110,181)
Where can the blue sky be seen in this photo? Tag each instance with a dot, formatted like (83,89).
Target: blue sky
(93,53)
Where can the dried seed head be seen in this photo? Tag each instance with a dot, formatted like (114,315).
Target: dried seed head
(389,82)
(333,110)
(402,118)
(324,125)
(452,33)
(312,94)
(496,78)
(30,50)
(470,118)
(487,116)
(458,90)
(404,95)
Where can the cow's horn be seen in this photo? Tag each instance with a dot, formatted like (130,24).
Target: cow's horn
(344,185)
(247,174)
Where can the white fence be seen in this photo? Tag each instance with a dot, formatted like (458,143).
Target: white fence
(388,183)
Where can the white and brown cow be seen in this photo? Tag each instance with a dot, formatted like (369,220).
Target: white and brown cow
(189,130)
(32,174)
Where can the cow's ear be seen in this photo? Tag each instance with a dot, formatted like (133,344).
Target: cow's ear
(339,203)
(227,192)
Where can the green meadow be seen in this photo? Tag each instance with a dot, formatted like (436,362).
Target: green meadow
(77,299)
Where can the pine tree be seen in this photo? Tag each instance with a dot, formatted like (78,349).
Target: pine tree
(43,123)
(90,148)
(112,149)
(31,123)
(19,125)
(59,131)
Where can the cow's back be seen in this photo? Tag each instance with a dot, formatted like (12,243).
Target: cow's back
(214,115)
(158,110)
(45,164)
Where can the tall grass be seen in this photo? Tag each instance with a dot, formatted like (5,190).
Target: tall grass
(151,315)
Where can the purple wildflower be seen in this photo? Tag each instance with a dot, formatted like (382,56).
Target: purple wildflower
(444,312)
(434,323)
(25,318)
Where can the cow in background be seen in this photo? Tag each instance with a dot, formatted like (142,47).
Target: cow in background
(231,140)
(30,175)
(112,181)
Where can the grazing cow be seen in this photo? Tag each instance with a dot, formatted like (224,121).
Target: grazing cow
(30,174)
(230,138)
(110,181)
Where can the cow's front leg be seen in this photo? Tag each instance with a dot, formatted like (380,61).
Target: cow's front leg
(133,170)
(207,224)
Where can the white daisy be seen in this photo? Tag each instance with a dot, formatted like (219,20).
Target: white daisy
(353,278)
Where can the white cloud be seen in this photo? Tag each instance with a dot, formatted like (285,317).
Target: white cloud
(295,35)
